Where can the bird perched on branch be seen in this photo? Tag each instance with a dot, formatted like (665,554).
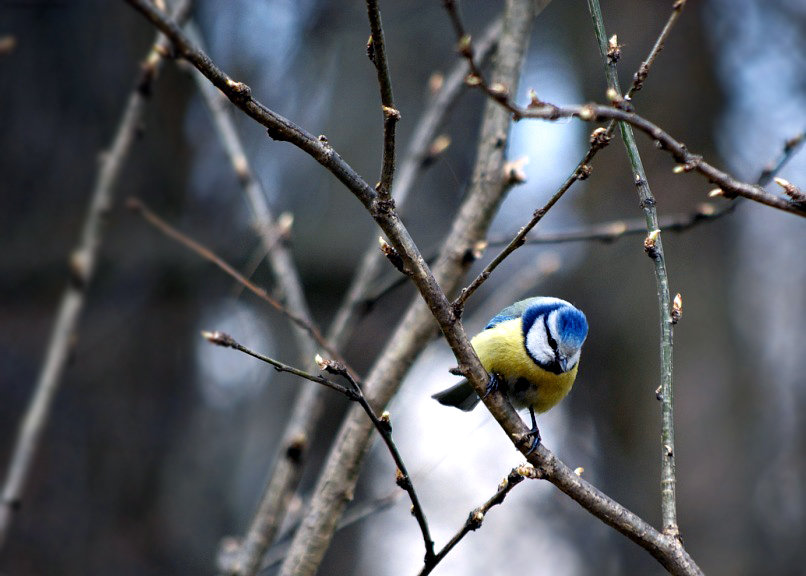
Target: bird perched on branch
(531,350)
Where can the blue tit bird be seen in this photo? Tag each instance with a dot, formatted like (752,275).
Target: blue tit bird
(531,350)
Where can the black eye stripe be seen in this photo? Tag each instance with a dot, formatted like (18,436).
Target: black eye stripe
(549,337)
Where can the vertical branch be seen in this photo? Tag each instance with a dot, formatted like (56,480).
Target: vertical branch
(337,481)
(82,262)
(417,151)
(376,50)
(654,249)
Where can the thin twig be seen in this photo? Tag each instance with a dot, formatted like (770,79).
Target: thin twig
(654,248)
(617,229)
(383,425)
(225,340)
(339,477)
(476,516)
(243,557)
(355,393)
(729,187)
(358,294)
(376,50)
(519,238)
(83,262)
(137,205)
(643,71)
(416,328)
(598,140)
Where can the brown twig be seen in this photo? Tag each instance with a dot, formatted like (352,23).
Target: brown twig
(476,516)
(354,393)
(137,205)
(599,139)
(617,229)
(643,71)
(83,262)
(729,187)
(383,425)
(356,301)
(416,328)
(243,557)
(376,50)
(336,482)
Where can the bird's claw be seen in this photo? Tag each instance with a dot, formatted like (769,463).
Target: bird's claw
(492,386)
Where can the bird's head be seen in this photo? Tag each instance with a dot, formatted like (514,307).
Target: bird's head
(554,332)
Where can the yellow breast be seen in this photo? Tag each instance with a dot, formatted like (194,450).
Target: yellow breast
(501,351)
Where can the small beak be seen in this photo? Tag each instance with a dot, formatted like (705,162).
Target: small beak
(563,361)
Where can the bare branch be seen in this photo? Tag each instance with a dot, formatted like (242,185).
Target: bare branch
(729,186)
(599,139)
(643,71)
(416,328)
(151,217)
(335,486)
(354,393)
(82,268)
(358,295)
(476,516)
(376,50)
(654,248)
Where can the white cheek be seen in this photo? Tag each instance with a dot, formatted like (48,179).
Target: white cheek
(537,343)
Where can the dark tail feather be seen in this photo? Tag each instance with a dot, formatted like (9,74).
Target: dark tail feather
(460,396)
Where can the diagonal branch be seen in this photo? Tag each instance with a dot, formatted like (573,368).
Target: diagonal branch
(338,479)
(599,139)
(83,261)
(138,206)
(354,393)
(243,557)
(476,516)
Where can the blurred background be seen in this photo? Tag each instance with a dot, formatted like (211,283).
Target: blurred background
(159,444)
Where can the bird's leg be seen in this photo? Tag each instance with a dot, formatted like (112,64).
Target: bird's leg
(534,432)
(492,385)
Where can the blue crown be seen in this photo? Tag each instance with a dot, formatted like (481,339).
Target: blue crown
(572,326)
